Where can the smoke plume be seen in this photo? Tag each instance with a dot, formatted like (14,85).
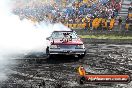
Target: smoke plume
(21,36)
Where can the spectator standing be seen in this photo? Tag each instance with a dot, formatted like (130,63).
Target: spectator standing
(127,24)
(87,24)
(120,22)
(108,23)
(91,28)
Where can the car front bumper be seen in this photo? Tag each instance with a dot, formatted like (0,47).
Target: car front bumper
(68,51)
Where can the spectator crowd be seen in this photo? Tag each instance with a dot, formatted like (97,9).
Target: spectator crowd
(79,14)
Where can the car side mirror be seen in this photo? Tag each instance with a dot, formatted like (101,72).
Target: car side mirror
(48,38)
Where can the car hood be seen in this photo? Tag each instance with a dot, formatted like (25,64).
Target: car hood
(73,42)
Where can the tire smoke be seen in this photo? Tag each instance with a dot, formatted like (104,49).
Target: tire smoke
(21,36)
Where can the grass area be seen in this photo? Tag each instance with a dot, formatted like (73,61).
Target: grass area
(106,37)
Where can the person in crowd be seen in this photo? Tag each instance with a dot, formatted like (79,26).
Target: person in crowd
(127,24)
(91,27)
(112,22)
(104,24)
(108,23)
(120,22)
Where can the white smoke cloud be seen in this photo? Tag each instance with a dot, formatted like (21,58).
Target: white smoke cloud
(22,35)
(18,36)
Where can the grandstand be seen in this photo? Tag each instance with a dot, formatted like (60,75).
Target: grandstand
(81,14)
(124,10)
(99,11)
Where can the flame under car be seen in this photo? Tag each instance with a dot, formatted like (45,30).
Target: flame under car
(65,43)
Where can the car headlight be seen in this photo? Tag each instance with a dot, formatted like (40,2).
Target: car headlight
(53,46)
(80,46)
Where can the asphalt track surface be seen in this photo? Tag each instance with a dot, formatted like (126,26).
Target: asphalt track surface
(35,71)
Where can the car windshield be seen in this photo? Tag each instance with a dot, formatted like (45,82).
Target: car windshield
(60,35)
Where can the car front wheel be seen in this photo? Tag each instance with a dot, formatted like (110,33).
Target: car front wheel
(49,56)
(47,51)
